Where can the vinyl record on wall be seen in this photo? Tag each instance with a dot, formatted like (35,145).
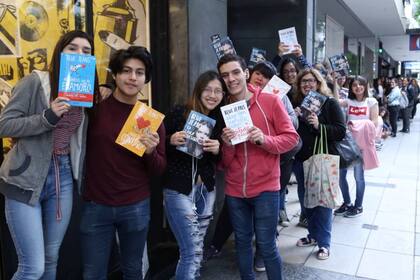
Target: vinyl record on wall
(33,21)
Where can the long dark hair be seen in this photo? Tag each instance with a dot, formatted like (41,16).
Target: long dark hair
(194,103)
(283,64)
(362,81)
(54,68)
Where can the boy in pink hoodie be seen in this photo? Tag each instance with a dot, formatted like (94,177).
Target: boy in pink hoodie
(252,168)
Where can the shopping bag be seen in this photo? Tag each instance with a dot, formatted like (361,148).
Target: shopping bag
(349,151)
(321,173)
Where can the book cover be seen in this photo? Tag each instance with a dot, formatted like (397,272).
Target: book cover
(257,55)
(198,128)
(223,46)
(77,79)
(214,38)
(288,36)
(312,103)
(142,119)
(277,86)
(340,65)
(237,117)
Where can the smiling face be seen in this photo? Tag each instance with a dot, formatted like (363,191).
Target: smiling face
(358,89)
(235,79)
(308,83)
(212,95)
(258,79)
(130,81)
(289,73)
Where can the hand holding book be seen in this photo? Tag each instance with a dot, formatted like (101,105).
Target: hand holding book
(178,138)
(60,106)
(150,140)
(211,146)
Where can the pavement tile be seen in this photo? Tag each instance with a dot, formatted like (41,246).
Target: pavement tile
(391,241)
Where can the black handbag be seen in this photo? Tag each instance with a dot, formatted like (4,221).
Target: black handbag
(349,151)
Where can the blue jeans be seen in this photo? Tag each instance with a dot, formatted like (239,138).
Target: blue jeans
(98,226)
(260,212)
(36,230)
(359,176)
(319,225)
(189,217)
(299,174)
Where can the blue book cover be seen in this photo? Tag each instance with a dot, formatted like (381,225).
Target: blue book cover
(198,128)
(77,79)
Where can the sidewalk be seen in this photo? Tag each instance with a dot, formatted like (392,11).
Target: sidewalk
(383,243)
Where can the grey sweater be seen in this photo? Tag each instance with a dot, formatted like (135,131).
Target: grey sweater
(28,119)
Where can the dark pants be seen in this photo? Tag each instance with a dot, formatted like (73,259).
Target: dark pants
(393,116)
(406,113)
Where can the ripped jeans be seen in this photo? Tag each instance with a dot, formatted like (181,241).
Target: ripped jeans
(189,216)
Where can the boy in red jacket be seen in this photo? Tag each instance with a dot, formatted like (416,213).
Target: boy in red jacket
(252,168)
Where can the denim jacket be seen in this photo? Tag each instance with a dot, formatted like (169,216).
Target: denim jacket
(28,119)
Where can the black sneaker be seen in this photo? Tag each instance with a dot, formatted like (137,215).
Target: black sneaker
(303,222)
(344,208)
(210,252)
(354,212)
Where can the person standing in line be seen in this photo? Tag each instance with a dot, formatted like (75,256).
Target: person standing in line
(394,105)
(252,169)
(331,116)
(359,107)
(116,193)
(37,174)
(189,183)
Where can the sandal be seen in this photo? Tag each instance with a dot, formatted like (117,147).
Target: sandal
(306,242)
(323,253)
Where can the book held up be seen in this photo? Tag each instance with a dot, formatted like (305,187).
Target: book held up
(237,117)
(277,86)
(312,103)
(77,79)
(198,128)
(288,36)
(340,65)
(142,119)
(222,46)
(257,55)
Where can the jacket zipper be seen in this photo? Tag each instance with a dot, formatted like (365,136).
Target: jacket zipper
(245,168)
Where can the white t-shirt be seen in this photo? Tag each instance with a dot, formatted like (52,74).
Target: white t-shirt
(360,110)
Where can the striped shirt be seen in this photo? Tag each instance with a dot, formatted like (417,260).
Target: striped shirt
(65,128)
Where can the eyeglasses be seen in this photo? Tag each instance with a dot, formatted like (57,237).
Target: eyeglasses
(308,81)
(216,91)
(289,72)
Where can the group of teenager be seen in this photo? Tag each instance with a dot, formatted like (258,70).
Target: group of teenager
(56,145)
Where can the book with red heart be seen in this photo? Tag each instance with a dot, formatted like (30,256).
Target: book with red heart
(142,119)
(277,86)
(198,128)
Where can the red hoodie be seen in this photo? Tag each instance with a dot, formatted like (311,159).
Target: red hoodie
(252,169)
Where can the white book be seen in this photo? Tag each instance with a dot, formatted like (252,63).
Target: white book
(237,117)
(288,36)
(277,86)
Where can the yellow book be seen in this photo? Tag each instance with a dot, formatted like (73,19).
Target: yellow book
(142,119)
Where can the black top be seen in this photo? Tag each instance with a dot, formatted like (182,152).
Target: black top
(332,117)
(178,174)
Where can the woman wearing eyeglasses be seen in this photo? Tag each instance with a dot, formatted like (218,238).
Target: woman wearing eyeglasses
(189,192)
(331,116)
